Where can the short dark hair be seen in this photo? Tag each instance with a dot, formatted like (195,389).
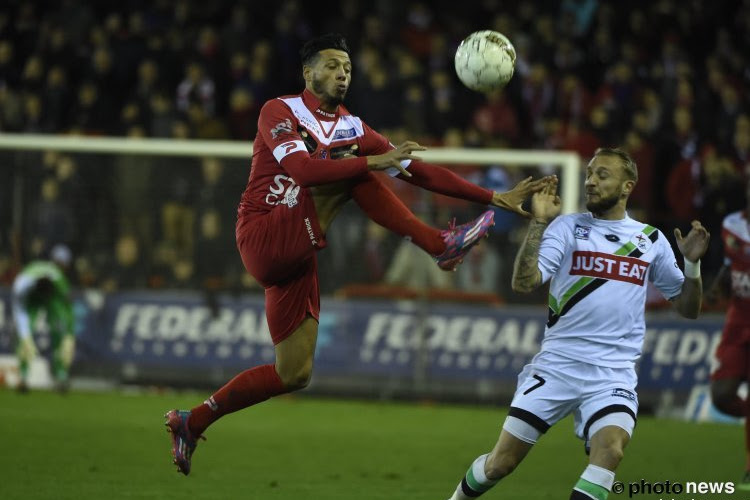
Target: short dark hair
(328,41)
(628,164)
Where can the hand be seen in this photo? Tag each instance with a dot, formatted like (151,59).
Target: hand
(694,245)
(393,158)
(513,200)
(545,204)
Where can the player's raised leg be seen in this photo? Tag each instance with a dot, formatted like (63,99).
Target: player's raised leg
(448,246)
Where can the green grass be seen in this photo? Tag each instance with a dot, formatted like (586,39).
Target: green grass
(112,445)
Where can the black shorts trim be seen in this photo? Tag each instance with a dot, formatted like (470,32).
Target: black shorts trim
(607,410)
(528,417)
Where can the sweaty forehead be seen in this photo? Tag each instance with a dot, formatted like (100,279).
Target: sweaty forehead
(334,55)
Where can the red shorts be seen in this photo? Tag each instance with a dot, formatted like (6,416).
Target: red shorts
(279,250)
(733,353)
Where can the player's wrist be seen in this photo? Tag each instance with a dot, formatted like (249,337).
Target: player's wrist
(539,220)
(692,269)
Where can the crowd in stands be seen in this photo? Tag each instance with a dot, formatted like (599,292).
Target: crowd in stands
(665,79)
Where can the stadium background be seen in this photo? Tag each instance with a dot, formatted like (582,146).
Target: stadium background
(162,299)
(666,80)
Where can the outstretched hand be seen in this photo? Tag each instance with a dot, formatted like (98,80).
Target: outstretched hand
(394,157)
(546,204)
(513,200)
(694,245)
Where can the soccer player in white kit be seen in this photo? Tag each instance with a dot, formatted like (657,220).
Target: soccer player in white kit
(597,264)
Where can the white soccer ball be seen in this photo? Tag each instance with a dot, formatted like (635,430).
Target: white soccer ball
(485,60)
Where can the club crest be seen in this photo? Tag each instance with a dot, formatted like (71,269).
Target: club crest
(641,242)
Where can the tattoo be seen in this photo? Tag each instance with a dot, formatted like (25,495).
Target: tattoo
(526,275)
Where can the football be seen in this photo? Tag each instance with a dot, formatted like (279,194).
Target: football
(485,61)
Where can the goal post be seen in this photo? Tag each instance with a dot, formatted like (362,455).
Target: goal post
(568,162)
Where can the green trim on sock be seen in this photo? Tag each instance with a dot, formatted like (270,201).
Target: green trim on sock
(595,490)
(474,484)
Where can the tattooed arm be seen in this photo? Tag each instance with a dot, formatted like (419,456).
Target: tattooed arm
(545,206)
(526,274)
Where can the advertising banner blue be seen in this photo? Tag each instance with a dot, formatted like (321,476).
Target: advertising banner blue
(435,341)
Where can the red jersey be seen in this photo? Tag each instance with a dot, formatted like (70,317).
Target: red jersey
(299,145)
(735,234)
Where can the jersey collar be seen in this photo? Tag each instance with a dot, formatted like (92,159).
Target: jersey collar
(313,104)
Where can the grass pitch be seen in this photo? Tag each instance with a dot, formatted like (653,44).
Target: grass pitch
(113,445)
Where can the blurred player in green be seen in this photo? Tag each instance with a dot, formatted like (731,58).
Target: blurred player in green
(42,286)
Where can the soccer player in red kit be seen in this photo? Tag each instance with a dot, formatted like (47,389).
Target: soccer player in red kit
(310,157)
(733,352)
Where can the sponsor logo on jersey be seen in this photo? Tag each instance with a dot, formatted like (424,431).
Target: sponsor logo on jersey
(642,242)
(609,266)
(282,128)
(286,148)
(310,232)
(283,191)
(310,124)
(582,232)
(325,113)
(623,393)
(612,237)
(308,139)
(344,134)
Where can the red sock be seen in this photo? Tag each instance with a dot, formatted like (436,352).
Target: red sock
(385,208)
(250,387)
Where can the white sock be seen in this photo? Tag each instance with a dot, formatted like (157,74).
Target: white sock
(595,482)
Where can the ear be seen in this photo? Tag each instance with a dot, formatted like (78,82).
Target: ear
(307,72)
(628,187)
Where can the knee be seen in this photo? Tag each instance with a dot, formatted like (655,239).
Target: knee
(608,455)
(499,466)
(297,379)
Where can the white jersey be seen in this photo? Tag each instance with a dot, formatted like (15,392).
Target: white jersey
(597,295)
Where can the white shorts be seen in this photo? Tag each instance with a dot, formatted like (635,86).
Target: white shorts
(552,387)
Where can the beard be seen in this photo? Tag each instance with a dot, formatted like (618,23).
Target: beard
(328,98)
(604,204)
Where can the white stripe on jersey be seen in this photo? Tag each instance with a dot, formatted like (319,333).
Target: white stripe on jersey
(347,126)
(287,148)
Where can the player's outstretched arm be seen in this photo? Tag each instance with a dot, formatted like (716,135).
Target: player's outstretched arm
(693,247)
(443,181)
(545,206)
(513,200)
